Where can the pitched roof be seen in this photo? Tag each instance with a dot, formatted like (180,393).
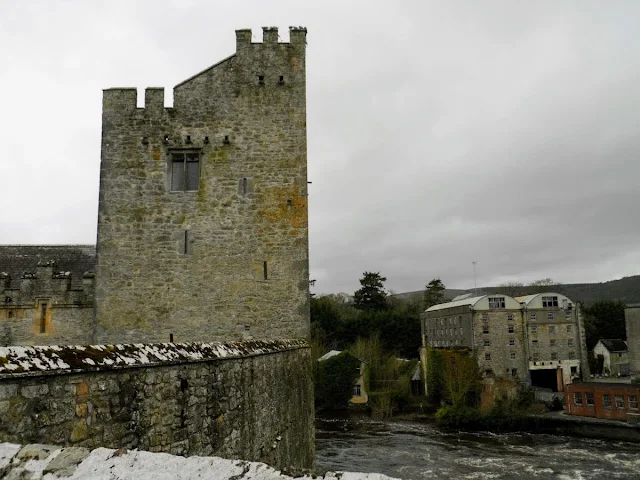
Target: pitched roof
(457,303)
(330,354)
(18,259)
(614,344)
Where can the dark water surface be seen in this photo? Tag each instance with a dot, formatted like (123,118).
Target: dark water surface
(417,450)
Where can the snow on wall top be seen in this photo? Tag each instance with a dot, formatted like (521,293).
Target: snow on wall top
(72,358)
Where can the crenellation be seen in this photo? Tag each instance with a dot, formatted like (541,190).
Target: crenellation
(154,100)
(269,35)
(119,100)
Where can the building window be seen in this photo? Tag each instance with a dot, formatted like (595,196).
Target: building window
(487,356)
(548,302)
(485,329)
(185,171)
(619,402)
(512,341)
(606,400)
(534,329)
(356,390)
(552,342)
(577,399)
(461,331)
(513,355)
(514,372)
(533,317)
(551,316)
(554,356)
(43,311)
(570,342)
(534,343)
(488,373)
(567,315)
(633,402)
(509,317)
(487,343)
(485,317)
(510,329)
(552,329)
(568,328)
(589,399)
(496,302)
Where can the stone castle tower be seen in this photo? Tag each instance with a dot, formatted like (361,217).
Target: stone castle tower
(202,225)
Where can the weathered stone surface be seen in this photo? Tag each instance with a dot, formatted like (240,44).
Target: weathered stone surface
(121,464)
(36,452)
(229,259)
(53,274)
(252,401)
(65,463)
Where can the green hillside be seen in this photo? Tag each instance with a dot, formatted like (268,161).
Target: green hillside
(626,289)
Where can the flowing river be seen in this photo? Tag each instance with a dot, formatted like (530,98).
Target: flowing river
(418,450)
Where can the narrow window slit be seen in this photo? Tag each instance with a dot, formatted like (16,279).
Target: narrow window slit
(265,270)
(260,79)
(244,185)
(186,241)
(281,81)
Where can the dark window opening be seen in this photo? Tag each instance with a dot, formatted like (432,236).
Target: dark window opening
(188,140)
(10,314)
(185,172)
(226,140)
(590,399)
(184,385)
(206,139)
(43,318)
(281,80)
(260,79)
(186,242)
(244,185)
(166,139)
(265,270)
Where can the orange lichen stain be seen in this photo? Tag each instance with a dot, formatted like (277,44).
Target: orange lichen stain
(156,154)
(294,63)
(285,205)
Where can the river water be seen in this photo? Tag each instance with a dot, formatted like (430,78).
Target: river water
(411,450)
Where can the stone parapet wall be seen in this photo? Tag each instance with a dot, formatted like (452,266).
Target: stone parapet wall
(245,400)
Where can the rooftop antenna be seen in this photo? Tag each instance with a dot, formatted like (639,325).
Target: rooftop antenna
(475,284)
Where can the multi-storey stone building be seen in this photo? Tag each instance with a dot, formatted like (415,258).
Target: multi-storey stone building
(536,339)
(46,294)
(202,222)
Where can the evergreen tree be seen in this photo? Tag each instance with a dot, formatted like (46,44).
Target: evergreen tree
(434,293)
(371,295)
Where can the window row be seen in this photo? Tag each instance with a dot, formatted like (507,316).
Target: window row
(554,356)
(552,329)
(487,342)
(552,342)
(446,320)
(456,342)
(588,398)
(441,332)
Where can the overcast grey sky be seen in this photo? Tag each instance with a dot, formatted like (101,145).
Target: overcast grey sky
(439,132)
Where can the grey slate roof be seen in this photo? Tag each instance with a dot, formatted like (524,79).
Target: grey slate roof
(614,345)
(18,259)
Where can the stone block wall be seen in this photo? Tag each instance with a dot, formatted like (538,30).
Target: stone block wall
(632,322)
(227,258)
(46,306)
(251,400)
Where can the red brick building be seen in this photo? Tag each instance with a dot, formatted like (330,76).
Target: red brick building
(613,401)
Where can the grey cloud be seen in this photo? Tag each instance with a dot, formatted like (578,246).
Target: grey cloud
(439,133)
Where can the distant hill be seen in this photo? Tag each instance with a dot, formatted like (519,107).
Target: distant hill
(626,289)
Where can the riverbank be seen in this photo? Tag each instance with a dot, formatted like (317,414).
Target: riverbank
(559,423)
(550,423)
(414,450)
